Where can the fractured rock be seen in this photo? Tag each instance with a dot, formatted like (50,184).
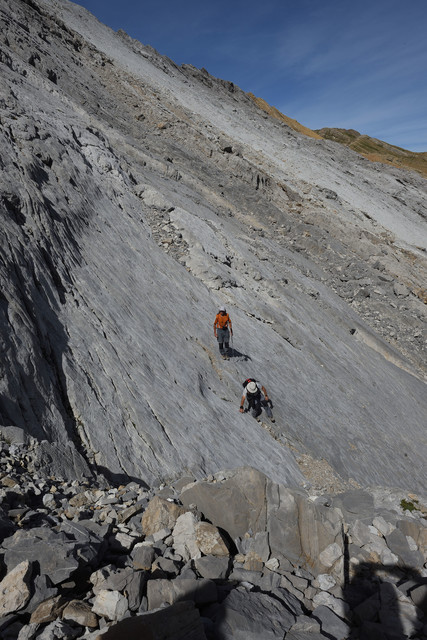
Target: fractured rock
(80,613)
(110,604)
(160,514)
(236,505)
(252,616)
(15,588)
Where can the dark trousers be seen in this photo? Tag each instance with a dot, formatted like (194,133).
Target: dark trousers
(257,404)
(223,337)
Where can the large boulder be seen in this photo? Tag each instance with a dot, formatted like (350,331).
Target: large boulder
(236,504)
(307,534)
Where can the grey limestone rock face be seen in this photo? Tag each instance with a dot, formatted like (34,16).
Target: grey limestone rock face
(237,504)
(252,615)
(123,231)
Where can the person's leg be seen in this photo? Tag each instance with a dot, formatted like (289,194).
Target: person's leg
(255,409)
(220,338)
(267,409)
(227,342)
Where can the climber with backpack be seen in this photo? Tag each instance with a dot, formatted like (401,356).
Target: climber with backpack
(222,331)
(257,398)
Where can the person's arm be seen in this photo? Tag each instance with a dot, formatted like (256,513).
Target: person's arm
(231,326)
(242,402)
(264,390)
(215,323)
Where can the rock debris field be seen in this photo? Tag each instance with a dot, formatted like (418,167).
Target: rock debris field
(204,559)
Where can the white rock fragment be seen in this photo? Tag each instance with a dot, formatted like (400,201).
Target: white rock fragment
(14,589)
(330,555)
(110,604)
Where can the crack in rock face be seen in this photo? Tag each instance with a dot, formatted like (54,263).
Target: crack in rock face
(138,197)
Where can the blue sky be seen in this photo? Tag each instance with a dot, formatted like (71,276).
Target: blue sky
(356,64)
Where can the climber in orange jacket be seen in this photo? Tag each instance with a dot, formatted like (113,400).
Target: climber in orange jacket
(222,331)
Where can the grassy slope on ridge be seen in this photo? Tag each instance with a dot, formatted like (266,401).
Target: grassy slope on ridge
(294,124)
(377,150)
(371,148)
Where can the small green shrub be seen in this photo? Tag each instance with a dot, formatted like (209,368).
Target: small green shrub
(409,506)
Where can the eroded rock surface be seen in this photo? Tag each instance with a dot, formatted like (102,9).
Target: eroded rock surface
(138,196)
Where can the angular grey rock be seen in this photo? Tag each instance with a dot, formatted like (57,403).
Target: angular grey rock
(14,435)
(168,566)
(15,589)
(79,613)
(401,290)
(360,533)
(236,505)
(305,624)
(331,625)
(42,590)
(126,581)
(397,612)
(290,601)
(143,557)
(110,604)
(355,505)
(59,630)
(160,591)
(160,514)
(418,596)
(212,567)
(184,536)
(252,616)
(244,575)
(302,531)
(417,530)
(269,580)
(398,545)
(53,551)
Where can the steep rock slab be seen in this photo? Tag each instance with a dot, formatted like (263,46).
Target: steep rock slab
(98,353)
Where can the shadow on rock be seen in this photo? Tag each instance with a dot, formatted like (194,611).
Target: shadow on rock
(234,353)
(388,602)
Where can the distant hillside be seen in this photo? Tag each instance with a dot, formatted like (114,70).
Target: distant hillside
(371,148)
(376,150)
(294,124)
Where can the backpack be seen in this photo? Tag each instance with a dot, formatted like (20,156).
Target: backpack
(223,321)
(247,381)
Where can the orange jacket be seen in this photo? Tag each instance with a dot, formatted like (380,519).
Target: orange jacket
(222,321)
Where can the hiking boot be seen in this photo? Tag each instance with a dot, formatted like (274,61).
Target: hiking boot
(273,419)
